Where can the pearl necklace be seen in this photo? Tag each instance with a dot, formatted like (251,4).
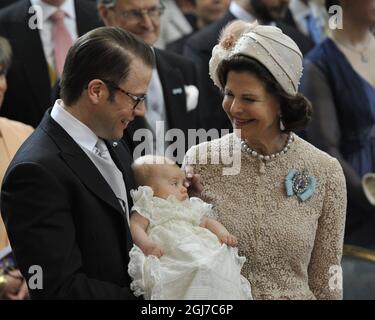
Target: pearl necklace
(246,149)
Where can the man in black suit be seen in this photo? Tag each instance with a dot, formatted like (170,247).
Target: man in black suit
(199,48)
(33,71)
(174,80)
(65,196)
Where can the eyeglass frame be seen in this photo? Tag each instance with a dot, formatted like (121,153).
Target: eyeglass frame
(136,99)
(138,14)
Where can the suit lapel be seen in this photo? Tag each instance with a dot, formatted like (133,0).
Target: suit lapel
(123,160)
(174,92)
(80,163)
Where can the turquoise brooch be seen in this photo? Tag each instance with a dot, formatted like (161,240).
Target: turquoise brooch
(300,184)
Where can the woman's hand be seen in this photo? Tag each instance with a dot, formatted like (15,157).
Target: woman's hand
(228,239)
(193,182)
(153,250)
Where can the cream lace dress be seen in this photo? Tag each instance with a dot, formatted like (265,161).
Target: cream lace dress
(194,265)
(293,247)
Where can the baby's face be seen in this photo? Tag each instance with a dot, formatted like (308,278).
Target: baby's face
(169,180)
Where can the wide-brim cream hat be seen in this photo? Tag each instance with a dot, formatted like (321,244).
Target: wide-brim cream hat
(277,52)
(368,184)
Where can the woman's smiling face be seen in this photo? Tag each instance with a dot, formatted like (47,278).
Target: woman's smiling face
(249,106)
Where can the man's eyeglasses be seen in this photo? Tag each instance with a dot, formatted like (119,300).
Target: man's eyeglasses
(137,15)
(136,99)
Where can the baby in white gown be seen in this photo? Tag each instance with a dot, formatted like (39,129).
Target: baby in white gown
(179,252)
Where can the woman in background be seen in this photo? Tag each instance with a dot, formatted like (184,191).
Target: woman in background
(12,135)
(339,80)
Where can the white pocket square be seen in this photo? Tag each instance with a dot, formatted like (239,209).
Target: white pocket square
(368,184)
(177,91)
(192,94)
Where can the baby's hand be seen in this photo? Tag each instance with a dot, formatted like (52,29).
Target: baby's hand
(153,250)
(228,239)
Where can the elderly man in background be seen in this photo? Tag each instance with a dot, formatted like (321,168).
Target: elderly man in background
(172,98)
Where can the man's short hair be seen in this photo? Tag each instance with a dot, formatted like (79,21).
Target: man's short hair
(104,53)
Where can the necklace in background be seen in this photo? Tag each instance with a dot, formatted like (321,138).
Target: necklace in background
(364,55)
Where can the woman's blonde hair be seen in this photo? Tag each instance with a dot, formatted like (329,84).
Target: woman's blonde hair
(5,53)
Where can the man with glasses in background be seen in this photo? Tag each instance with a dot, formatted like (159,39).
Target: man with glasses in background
(173,93)
(65,196)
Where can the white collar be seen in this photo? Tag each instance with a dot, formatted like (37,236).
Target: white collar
(80,133)
(240,13)
(48,10)
(299,10)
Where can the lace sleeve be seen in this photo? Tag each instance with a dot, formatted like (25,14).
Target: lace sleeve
(201,208)
(325,274)
(142,198)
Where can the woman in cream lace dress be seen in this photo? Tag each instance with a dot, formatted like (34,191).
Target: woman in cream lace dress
(285,200)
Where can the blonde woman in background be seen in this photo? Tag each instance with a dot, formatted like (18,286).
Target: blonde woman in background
(12,135)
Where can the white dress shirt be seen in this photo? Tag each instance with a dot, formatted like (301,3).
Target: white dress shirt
(300,11)
(155,111)
(87,140)
(46,31)
(244,15)
(240,13)
(173,24)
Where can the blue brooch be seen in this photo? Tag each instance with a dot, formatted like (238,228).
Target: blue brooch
(300,184)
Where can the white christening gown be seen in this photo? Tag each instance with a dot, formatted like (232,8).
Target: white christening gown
(194,265)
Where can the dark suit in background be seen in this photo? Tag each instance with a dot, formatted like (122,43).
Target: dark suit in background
(29,85)
(5,3)
(70,222)
(199,48)
(175,72)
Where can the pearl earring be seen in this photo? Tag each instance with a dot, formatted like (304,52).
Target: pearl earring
(282,127)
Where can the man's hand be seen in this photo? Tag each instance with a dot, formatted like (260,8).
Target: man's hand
(193,182)
(228,239)
(153,250)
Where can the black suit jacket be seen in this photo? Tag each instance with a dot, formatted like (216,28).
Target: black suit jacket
(29,88)
(175,72)
(199,47)
(5,3)
(178,45)
(62,215)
